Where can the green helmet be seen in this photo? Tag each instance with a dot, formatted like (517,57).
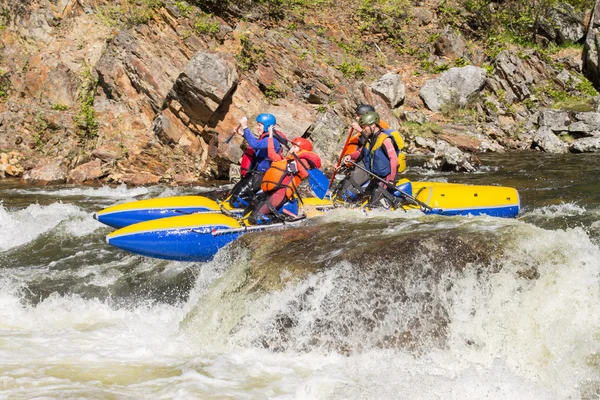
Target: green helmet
(368,118)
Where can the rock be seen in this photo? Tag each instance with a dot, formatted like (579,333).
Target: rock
(172,130)
(140,179)
(453,87)
(515,75)
(207,80)
(51,172)
(13,170)
(328,134)
(450,44)
(424,15)
(450,158)
(547,141)
(569,25)
(586,145)
(87,172)
(591,48)
(415,116)
(556,121)
(391,88)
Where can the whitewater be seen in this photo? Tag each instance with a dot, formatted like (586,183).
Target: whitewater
(352,305)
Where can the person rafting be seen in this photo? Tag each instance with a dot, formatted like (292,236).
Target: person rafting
(280,182)
(255,161)
(381,155)
(350,188)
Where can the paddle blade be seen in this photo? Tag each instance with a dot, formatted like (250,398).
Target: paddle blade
(318,183)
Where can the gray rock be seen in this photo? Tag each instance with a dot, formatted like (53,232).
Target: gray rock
(328,135)
(391,88)
(556,121)
(591,53)
(207,80)
(450,44)
(516,75)
(451,158)
(569,24)
(547,141)
(453,87)
(586,145)
(415,116)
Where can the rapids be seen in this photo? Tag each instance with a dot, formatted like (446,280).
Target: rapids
(351,305)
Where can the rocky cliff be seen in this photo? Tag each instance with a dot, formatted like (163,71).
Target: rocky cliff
(148,91)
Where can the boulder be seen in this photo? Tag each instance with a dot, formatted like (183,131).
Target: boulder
(391,88)
(556,121)
(87,172)
(204,84)
(545,140)
(569,24)
(586,145)
(450,44)
(515,75)
(50,171)
(453,87)
(451,158)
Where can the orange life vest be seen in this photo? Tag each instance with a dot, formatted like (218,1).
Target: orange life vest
(279,175)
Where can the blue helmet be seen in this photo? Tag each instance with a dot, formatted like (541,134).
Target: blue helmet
(267,120)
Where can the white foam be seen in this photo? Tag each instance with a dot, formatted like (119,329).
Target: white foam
(22,226)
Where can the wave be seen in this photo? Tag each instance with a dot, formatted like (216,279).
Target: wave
(22,226)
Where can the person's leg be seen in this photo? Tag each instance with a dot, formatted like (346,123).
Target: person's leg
(266,210)
(243,193)
(350,188)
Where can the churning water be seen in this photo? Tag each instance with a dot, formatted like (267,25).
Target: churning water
(349,306)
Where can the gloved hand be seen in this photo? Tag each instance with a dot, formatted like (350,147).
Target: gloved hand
(292,167)
(346,160)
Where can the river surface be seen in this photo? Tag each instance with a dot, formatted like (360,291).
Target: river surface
(393,306)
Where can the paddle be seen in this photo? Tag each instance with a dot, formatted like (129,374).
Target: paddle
(337,165)
(392,186)
(235,131)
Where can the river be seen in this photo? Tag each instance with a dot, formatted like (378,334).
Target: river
(352,305)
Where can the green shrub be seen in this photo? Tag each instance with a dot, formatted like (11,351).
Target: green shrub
(351,69)
(249,55)
(206,24)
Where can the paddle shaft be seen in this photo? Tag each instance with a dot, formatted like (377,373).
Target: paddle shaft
(392,186)
(235,131)
(350,131)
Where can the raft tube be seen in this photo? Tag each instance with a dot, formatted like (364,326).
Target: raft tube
(122,215)
(457,199)
(196,237)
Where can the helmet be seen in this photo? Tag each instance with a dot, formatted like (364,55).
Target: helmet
(303,144)
(364,108)
(369,118)
(268,120)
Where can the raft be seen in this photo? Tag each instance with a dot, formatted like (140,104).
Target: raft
(194,228)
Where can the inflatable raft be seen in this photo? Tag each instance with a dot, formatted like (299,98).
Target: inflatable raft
(194,228)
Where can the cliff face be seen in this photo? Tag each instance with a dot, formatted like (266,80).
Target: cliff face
(148,91)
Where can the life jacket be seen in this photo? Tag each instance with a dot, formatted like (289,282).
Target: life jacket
(250,159)
(279,175)
(375,155)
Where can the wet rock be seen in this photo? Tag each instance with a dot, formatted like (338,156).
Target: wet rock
(453,87)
